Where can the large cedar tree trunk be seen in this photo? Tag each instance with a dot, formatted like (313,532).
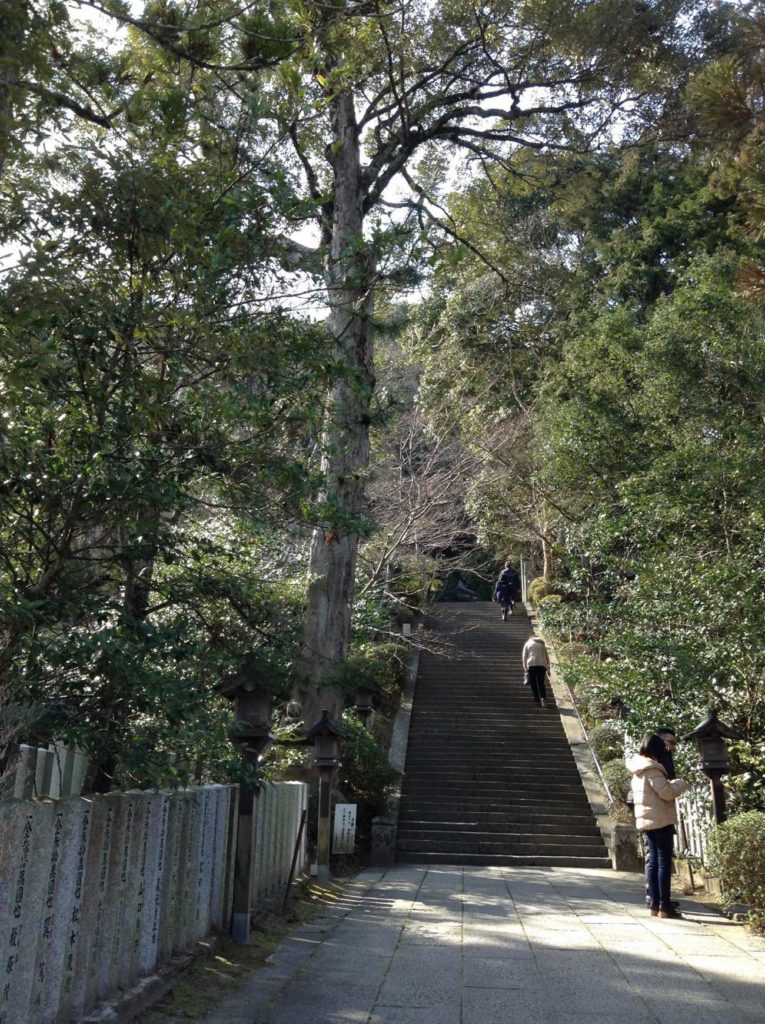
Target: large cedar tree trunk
(346,433)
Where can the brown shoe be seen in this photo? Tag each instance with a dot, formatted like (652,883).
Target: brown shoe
(654,911)
(671,914)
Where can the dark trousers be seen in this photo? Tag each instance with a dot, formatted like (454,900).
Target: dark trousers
(659,843)
(537,674)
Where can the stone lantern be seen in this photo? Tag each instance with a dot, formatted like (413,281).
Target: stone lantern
(325,736)
(252,695)
(363,706)
(710,735)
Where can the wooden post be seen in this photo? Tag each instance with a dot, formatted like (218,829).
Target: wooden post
(241,911)
(718,796)
(250,734)
(324,835)
(324,734)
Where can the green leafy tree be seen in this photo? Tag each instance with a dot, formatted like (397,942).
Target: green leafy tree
(156,416)
(657,430)
(368,90)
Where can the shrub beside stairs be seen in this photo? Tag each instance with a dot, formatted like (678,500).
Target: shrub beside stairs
(490,778)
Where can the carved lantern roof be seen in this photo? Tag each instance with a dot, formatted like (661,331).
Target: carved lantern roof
(712,728)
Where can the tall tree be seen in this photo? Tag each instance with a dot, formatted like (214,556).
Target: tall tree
(374,86)
(359,92)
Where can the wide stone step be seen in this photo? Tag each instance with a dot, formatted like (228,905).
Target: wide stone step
(473,793)
(503,765)
(527,741)
(500,846)
(562,785)
(488,761)
(506,766)
(421,829)
(501,860)
(531,714)
(440,809)
(540,790)
(538,718)
(502,805)
(513,779)
(427,813)
(516,728)
(466,747)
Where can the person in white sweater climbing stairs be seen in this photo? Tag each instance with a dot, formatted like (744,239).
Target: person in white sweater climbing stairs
(536,665)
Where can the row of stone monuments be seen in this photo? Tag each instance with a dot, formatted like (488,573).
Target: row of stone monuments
(96,893)
(36,772)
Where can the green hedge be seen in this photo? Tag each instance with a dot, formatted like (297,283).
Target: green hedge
(539,588)
(607,741)
(592,700)
(737,855)
(618,778)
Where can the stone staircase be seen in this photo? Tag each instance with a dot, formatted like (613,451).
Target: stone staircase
(490,778)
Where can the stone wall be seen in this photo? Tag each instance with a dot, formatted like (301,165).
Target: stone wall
(95,893)
(277,822)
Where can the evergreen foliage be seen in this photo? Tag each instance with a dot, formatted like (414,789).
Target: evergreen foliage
(737,856)
(581,385)
(607,741)
(618,778)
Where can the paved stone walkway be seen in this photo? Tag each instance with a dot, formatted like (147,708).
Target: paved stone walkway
(450,945)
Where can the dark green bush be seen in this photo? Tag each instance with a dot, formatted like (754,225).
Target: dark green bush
(539,588)
(607,741)
(593,700)
(622,815)
(387,671)
(365,777)
(737,855)
(381,667)
(573,649)
(617,777)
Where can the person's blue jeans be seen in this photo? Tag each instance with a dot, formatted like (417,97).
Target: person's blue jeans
(659,843)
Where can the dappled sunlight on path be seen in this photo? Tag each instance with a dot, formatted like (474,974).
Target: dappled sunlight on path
(451,945)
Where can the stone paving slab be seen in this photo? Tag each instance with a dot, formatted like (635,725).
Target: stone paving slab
(446,945)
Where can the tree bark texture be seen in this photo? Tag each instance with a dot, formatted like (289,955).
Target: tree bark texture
(346,433)
(547,553)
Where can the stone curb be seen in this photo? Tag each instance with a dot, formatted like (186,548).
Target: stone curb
(400,738)
(384,829)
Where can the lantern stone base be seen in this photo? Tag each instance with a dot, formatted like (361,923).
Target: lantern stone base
(383,842)
(625,849)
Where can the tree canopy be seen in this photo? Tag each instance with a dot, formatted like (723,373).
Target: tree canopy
(287,283)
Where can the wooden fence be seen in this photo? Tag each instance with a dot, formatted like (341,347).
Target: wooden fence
(695,819)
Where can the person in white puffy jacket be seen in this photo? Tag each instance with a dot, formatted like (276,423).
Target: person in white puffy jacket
(655,815)
(536,665)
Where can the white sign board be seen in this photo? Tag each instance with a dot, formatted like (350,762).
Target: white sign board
(344,832)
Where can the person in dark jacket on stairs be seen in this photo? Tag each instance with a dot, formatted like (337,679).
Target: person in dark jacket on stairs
(505,588)
(536,665)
